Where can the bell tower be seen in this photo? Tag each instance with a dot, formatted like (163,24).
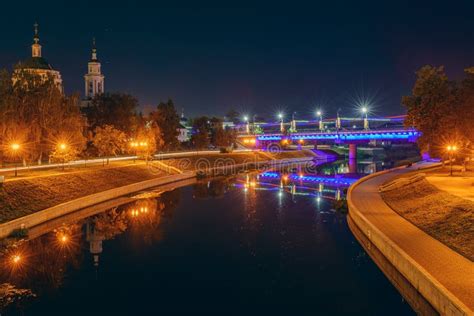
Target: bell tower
(36,47)
(94,79)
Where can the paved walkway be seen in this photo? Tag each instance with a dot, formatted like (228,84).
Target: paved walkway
(458,185)
(451,270)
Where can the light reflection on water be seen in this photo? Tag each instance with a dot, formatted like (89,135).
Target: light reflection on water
(272,242)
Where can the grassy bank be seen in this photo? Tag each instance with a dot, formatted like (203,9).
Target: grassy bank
(43,189)
(444,216)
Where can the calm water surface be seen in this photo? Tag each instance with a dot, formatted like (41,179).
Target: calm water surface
(271,244)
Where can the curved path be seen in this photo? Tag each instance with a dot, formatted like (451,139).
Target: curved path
(441,275)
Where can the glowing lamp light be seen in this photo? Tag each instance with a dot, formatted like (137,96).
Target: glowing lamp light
(246,118)
(63,238)
(16,259)
(280,115)
(364,109)
(319,113)
(15,146)
(62,146)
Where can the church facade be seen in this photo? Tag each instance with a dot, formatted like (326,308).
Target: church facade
(38,65)
(94,79)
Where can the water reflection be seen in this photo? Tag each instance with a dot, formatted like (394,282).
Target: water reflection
(35,267)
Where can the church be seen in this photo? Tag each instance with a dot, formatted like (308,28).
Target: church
(37,64)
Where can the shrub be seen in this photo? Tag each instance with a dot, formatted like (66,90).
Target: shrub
(19,233)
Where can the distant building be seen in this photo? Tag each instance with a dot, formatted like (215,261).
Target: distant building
(38,65)
(184,129)
(94,79)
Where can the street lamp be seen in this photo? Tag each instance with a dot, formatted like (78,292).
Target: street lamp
(451,150)
(247,126)
(62,147)
(365,111)
(338,120)
(293,122)
(319,113)
(139,145)
(282,127)
(15,147)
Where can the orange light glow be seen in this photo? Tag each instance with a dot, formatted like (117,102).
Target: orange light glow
(452,147)
(301,141)
(62,146)
(64,239)
(16,259)
(285,178)
(15,146)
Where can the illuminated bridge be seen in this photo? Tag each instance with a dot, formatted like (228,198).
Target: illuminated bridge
(351,131)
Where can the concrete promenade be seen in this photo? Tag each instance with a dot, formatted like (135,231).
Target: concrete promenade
(441,275)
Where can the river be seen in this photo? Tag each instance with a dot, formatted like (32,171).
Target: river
(271,243)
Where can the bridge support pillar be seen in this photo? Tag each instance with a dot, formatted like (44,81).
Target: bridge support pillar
(352,151)
(352,166)
(352,158)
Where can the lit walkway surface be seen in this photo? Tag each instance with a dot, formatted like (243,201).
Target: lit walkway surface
(459,186)
(444,267)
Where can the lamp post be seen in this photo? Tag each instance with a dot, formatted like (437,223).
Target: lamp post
(366,119)
(137,146)
(319,113)
(62,147)
(247,126)
(451,150)
(282,127)
(15,147)
(293,122)
(338,121)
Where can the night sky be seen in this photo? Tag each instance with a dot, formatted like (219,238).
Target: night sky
(258,58)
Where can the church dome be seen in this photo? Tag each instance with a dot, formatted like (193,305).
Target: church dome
(36,63)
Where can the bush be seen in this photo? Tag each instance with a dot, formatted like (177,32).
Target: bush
(403,163)
(225,150)
(201,174)
(19,233)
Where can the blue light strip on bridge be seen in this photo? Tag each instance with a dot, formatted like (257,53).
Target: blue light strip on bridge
(346,136)
(336,181)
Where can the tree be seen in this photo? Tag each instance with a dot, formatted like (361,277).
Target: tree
(167,119)
(116,109)
(201,129)
(109,141)
(432,108)
(233,116)
(33,109)
(465,114)
(147,140)
(220,137)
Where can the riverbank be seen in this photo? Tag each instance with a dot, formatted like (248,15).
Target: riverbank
(441,275)
(444,216)
(45,189)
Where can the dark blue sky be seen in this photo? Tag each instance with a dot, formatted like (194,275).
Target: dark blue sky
(256,58)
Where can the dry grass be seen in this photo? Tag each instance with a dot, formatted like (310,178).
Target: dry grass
(446,217)
(23,197)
